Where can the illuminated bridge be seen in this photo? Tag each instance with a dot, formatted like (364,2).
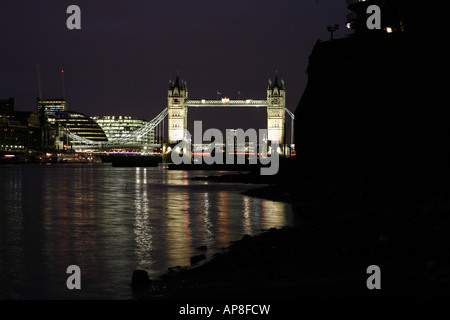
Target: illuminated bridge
(126,141)
(177,110)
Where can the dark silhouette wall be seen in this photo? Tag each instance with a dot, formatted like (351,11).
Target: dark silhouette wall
(371,107)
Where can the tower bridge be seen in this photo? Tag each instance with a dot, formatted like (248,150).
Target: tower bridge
(177,114)
(178,104)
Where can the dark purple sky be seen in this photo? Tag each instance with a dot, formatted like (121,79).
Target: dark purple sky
(121,60)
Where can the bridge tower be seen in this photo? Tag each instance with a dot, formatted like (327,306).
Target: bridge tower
(276,102)
(177,111)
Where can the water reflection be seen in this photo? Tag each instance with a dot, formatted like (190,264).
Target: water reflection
(70,226)
(213,215)
(208,225)
(142,226)
(110,221)
(12,262)
(177,226)
(246,216)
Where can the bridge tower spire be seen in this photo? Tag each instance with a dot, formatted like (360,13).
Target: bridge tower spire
(177,111)
(276,103)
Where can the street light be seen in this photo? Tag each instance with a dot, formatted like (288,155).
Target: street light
(331,29)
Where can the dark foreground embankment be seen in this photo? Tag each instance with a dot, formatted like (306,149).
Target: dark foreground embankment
(339,235)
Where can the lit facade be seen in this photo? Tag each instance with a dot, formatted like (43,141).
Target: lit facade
(177,111)
(276,103)
(19,131)
(117,127)
(80,125)
(49,108)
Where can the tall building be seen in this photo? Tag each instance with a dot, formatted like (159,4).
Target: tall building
(46,110)
(276,102)
(49,108)
(117,127)
(177,111)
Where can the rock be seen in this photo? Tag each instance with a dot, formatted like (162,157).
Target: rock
(202,248)
(140,278)
(197,259)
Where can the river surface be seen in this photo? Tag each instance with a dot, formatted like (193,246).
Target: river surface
(110,221)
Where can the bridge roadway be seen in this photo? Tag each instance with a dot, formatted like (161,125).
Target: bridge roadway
(117,146)
(226,103)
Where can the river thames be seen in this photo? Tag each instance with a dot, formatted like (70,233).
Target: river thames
(110,221)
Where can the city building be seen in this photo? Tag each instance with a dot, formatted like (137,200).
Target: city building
(117,127)
(49,108)
(78,124)
(19,131)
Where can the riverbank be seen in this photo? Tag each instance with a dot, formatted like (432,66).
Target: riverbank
(342,229)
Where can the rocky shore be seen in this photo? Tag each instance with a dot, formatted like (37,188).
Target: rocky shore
(342,229)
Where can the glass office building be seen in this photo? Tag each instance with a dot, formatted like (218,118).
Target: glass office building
(117,127)
(81,125)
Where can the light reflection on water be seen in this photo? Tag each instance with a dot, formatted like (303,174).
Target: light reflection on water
(111,221)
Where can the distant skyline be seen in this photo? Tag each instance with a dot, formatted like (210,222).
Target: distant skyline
(121,60)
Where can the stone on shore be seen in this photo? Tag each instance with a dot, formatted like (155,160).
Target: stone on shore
(140,278)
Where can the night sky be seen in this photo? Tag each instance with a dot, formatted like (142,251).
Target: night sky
(121,60)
